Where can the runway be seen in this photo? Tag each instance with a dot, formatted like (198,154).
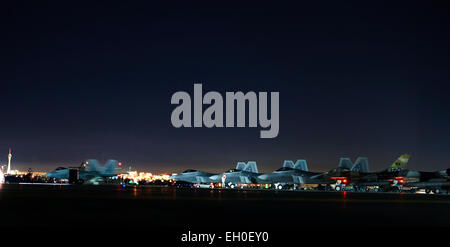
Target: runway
(44,205)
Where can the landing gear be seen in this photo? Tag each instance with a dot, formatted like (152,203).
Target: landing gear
(278,186)
(395,189)
(338,188)
(325,187)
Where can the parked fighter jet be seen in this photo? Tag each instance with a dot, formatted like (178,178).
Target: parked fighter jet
(340,175)
(434,182)
(245,173)
(289,174)
(384,179)
(360,177)
(397,177)
(193,176)
(89,171)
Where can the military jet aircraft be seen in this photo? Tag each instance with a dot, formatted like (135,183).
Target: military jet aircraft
(289,174)
(89,171)
(245,173)
(193,176)
(388,179)
(397,178)
(360,178)
(341,175)
(435,182)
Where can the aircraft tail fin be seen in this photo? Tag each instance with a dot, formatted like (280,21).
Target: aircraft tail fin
(93,165)
(241,166)
(444,173)
(361,165)
(401,162)
(111,167)
(251,167)
(345,163)
(288,163)
(301,165)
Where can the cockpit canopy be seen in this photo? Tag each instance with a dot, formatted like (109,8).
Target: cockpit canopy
(285,169)
(337,170)
(60,168)
(232,170)
(190,171)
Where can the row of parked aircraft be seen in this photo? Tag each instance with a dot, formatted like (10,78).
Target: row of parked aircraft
(347,176)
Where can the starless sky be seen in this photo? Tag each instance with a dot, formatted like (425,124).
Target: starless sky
(82,81)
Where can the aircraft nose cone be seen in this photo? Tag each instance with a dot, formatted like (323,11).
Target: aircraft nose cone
(174,177)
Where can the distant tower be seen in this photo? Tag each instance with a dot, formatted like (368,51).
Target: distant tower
(9,162)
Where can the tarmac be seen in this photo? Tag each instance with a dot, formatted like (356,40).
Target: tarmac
(51,205)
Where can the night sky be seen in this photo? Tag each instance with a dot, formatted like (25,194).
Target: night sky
(83,81)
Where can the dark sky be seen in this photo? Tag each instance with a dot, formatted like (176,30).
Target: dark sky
(84,81)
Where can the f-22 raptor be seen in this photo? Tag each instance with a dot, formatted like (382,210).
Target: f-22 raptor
(245,173)
(289,174)
(193,177)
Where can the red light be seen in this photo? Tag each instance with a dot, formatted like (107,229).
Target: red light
(87,162)
(344,181)
(401,181)
(120,163)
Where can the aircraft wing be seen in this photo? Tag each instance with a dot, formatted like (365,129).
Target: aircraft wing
(298,179)
(89,175)
(318,176)
(245,179)
(429,184)
(201,179)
